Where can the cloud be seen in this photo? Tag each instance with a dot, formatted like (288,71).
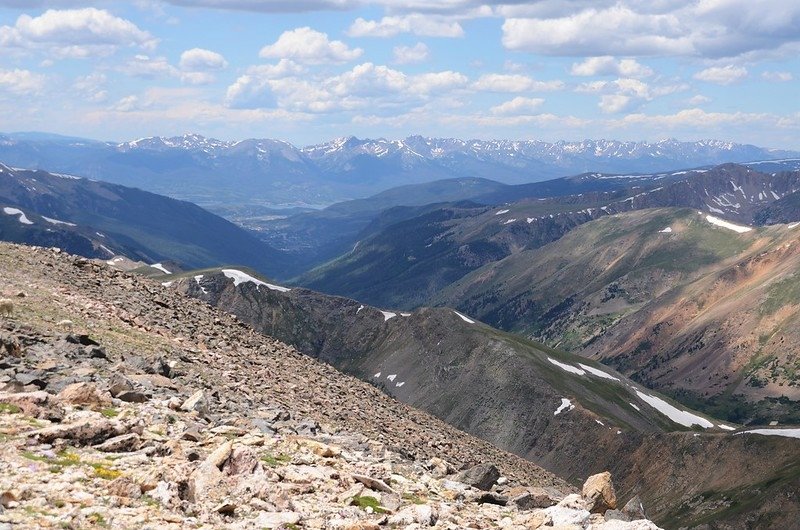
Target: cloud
(92,87)
(366,85)
(198,59)
(614,103)
(699,99)
(514,83)
(781,77)
(147,67)
(703,28)
(518,105)
(722,75)
(607,65)
(22,82)
(305,45)
(75,33)
(423,25)
(624,93)
(411,54)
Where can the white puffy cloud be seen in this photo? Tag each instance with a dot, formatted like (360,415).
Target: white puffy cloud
(698,99)
(703,28)
(722,75)
(365,85)
(518,105)
(92,87)
(411,54)
(199,60)
(781,77)
(624,93)
(148,67)
(306,45)
(21,82)
(423,25)
(607,65)
(514,83)
(75,33)
(614,103)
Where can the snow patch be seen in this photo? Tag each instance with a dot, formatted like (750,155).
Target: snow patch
(161,268)
(57,222)
(377,375)
(787,433)
(634,406)
(197,279)
(167,284)
(725,224)
(794,225)
(387,315)
(240,277)
(508,222)
(401,383)
(359,309)
(598,373)
(565,405)
(567,367)
(682,417)
(405,314)
(22,217)
(501,212)
(667,230)
(464,318)
(726,427)
(391,377)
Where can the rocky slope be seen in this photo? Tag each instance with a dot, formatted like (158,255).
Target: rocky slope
(546,405)
(147,409)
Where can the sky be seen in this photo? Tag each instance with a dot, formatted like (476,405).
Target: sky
(307,71)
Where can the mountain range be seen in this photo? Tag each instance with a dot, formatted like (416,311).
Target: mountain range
(217,173)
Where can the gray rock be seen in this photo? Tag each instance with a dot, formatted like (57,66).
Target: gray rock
(634,508)
(196,402)
(482,476)
(616,515)
(120,444)
(132,396)
(491,497)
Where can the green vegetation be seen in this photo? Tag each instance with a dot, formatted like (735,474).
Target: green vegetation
(368,502)
(110,412)
(9,408)
(782,293)
(276,460)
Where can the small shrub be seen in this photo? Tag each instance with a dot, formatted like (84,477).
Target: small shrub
(9,408)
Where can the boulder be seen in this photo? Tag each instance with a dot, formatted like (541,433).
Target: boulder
(91,431)
(83,394)
(634,508)
(123,443)
(482,476)
(421,514)
(196,402)
(598,491)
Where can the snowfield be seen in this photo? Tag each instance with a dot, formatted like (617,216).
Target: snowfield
(682,417)
(725,224)
(566,405)
(787,433)
(464,318)
(567,367)
(598,373)
(22,217)
(240,277)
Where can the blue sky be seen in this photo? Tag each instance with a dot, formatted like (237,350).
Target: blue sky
(310,70)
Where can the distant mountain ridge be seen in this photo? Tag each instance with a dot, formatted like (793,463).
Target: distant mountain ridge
(264,171)
(98,219)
